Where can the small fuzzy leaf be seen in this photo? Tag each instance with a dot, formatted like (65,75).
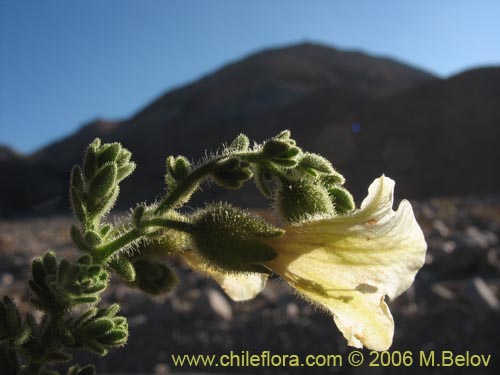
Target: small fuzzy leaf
(125,171)
(342,199)
(262,182)
(92,239)
(77,238)
(109,153)
(90,162)
(123,157)
(124,268)
(38,271)
(316,162)
(182,167)
(50,262)
(77,178)
(103,182)
(98,327)
(77,204)
(240,143)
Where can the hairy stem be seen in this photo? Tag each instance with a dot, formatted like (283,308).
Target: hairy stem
(102,253)
(196,177)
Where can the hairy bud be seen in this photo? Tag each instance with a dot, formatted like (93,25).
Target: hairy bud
(228,238)
(298,200)
(154,277)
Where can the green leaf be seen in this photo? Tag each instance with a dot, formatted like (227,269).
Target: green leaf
(38,271)
(50,262)
(92,239)
(342,199)
(77,178)
(59,357)
(125,171)
(241,143)
(124,268)
(98,327)
(90,160)
(78,206)
(109,153)
(77,238)
(262,182)
(316,162)
(103,182)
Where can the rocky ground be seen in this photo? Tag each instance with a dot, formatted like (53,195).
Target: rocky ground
(453,305)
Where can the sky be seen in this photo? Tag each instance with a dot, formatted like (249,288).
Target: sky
(65,63)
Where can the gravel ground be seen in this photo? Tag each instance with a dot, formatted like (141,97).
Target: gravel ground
(453,304)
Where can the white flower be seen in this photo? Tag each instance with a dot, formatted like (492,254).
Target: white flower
(238,286)
(349,263)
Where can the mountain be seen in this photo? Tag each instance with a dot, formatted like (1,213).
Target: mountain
(435,136)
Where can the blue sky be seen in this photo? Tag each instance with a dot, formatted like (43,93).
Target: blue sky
(64,63)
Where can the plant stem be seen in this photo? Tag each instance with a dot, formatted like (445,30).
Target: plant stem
(192,180)
(189,183)
(104,252)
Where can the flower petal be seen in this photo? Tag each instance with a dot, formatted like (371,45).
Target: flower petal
(349,263)
(238,286)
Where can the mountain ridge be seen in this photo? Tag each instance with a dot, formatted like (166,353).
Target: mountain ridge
(317,92)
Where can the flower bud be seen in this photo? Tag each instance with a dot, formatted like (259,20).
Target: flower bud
(154,277)
(227,238)
(298,200)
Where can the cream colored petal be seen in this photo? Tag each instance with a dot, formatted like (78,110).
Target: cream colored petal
(348,264)
(239,287)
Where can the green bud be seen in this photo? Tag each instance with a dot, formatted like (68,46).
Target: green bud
(178,167)
(298,200)
(182,167)
(228,238)
(153,277)
(240,143)
(231,173)
(281,152)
